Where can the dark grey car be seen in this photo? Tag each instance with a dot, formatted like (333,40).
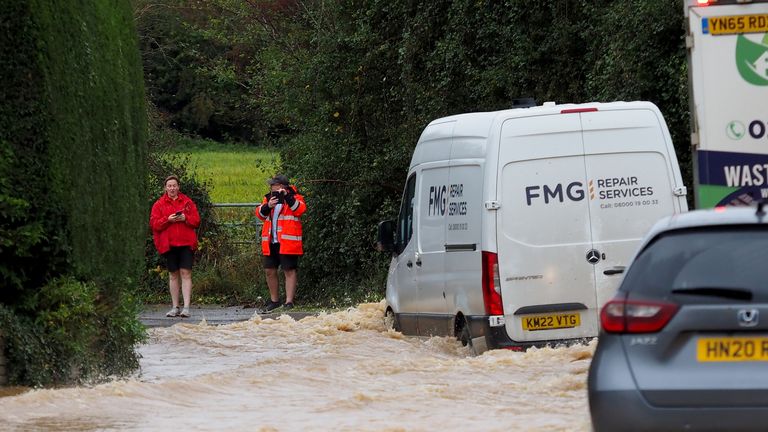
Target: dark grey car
(684,343)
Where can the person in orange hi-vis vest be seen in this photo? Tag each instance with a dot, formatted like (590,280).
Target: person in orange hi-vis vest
(281,245)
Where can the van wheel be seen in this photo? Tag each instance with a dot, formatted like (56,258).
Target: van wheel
(391,321)
(466,338)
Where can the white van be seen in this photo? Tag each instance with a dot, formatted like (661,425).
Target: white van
(515,225)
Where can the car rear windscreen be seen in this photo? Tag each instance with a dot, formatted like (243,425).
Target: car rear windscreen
(725,262)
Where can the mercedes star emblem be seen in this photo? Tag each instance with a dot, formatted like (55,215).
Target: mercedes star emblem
(593,256)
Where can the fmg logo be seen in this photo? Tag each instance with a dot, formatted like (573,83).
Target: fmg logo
(438,199)
(574,191)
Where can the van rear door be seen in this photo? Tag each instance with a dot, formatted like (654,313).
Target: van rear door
(630,180)
(544,230)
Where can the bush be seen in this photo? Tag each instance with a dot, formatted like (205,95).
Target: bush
(65,332)
(72,187)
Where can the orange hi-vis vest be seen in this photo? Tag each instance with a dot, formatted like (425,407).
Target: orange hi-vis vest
(288,226)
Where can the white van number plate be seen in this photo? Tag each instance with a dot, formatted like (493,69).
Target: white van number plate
(550,322)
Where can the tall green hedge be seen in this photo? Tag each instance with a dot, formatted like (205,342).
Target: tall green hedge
(72,185)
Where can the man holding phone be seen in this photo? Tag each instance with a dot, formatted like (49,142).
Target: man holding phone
(281,243)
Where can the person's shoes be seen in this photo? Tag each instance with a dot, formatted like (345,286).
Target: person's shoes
(288,306)
(271,305)
(184,313)
(174,312)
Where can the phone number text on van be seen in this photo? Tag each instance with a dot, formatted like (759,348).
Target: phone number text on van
(624,204)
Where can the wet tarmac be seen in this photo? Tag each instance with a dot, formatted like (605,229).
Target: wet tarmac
(154,315)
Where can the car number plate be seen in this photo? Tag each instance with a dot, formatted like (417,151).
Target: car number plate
(732,349)
(550,322)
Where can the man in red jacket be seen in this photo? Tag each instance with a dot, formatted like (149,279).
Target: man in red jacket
(173,221)
(281,238)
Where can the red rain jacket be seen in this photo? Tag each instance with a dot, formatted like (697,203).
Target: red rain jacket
(167,234)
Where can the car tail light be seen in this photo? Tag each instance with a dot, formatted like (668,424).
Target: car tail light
(491,284)
(635,316)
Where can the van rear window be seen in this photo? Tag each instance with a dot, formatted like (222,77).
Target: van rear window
(714,259)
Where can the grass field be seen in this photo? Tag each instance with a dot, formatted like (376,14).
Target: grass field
(237,174)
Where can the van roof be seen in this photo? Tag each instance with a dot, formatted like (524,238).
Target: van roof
(546,109)
(475,128)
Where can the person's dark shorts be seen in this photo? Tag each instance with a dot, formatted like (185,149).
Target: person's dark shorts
(275,259)
(179,257)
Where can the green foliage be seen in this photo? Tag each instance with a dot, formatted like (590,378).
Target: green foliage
(199,60)
(97,150)
(72,186)
(30,252)
(18,234)
(236,173)
(65,332)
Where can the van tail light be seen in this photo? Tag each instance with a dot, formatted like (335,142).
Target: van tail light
(621,315)
(577,110)
(492,284)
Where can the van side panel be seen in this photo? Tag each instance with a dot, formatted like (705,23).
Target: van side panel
(429,260)
(462,238)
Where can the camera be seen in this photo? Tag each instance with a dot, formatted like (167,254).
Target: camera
(277,194)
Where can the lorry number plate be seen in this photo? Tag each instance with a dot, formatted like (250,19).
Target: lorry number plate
(725,25)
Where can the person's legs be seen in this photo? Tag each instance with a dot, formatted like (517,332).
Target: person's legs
(172,261)
(272,284)
(271,263)
(291,280)
(290,265)
(186,287)
(173,283)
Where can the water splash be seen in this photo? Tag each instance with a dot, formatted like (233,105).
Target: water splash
(336,371)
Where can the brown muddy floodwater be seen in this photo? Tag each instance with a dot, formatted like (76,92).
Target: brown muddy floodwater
(334,372)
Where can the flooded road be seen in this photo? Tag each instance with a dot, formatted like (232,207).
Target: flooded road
(341,371)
